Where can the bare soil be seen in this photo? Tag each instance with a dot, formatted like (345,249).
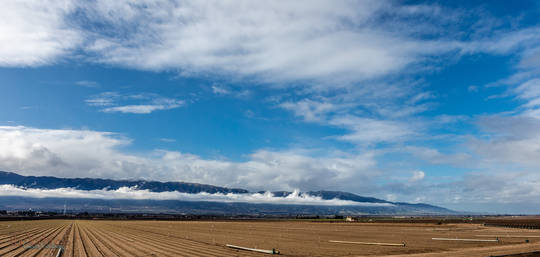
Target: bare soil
(291,238)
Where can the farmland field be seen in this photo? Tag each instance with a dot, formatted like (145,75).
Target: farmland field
(291,238)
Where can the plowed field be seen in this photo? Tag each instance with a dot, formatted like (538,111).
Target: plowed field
(208,238)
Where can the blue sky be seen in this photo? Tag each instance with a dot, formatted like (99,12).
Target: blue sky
(434,102)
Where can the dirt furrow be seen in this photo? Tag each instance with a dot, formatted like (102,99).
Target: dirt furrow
(31,244)
(19,242)
(23,232)
(158,244)
(148,247)
(196,246)
(141,248)
(64,240)
(200,246)
(91,249)
(19,233)
(121,248)
(9,228)
(104,243)
(83,238)
(182,246)
(68,243)
(20,237)
(78,245)
(163,237)
(104,250)
(49,245)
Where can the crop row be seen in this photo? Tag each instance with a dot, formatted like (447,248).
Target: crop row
(89,238)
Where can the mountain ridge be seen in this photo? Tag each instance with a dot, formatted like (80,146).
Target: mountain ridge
(49,182)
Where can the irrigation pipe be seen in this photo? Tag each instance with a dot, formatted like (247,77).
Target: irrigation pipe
(59,253)
(464,239)
(505,236)
(273,251)
(366,243)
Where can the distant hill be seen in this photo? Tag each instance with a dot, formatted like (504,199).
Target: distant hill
(96,183)
(378,206)
(327,195)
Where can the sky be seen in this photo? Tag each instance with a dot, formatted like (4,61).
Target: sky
(435,102)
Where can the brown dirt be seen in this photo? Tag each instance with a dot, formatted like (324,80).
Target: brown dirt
(292,238)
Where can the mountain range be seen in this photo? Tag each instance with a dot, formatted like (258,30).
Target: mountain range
(351,204)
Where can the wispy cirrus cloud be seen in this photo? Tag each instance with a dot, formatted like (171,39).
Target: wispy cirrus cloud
(311,110)
(365,123)
(369,131)
(273,42)
(528,92)
(167,140)
(220,90)
(318,43)
(435,156)
(103,99)
(146,108)
(508,141)
(145,103)
(87,83)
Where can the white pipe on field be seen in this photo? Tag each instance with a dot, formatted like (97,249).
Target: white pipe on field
(59,253)
(273,251)
(366,243)
(465,239)
(505,236)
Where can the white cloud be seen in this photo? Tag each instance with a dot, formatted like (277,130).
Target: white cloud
(529,92)
(434,156)
(167,140)
(274,41)
(531,58)
(87,83)
(138,194)
(364,128)
(493,189)
(503,43)
(145,103)
(234,92)
(144,109)
(103,99)
(309,110)
(417,175)
(472,89)
(219,90)
(508,140)
(36,32)
(367,130)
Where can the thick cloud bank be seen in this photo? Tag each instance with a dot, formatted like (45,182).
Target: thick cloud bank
(94,154)
(132,193)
